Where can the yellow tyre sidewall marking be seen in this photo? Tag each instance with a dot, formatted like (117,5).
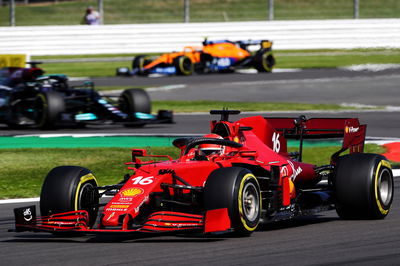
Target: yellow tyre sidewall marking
(264,61)
(82,180)
(244,179)
(183,70)
(378,202)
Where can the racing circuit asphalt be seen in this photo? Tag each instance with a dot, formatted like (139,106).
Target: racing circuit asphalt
(315,240)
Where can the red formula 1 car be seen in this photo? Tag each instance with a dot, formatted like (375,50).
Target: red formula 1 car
(229,181)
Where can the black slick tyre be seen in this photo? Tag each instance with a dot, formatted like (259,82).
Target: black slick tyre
(48,108)
(133,101)
(70,188)
(363,185)
(183,66)
(264,61)
(138,64)
(236,189)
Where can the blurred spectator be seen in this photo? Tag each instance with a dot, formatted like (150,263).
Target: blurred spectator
(91,17)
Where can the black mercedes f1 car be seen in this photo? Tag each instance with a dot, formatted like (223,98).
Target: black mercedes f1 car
(28,98)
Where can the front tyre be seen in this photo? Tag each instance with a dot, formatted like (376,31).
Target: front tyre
(183,66)
(133,101)
(236,189)
(48,108)
(138,64)
(70,188)
(363,185)
(264,61)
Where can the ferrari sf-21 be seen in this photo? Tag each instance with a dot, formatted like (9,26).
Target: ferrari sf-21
(213,56)
(30,98)
(228,181)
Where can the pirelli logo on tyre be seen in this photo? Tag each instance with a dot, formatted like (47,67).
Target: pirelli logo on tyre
(132,192)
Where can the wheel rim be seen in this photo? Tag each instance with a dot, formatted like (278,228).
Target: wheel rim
(251,202)
(385,187)
(186,66)
(87,198)
(270,61)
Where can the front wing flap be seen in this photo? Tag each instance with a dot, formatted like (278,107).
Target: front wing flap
(158,222)
(26,220)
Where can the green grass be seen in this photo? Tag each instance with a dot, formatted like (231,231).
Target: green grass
(24,170)
(205,106)
(285,59)
(337,60)
(156,11)
(84,69)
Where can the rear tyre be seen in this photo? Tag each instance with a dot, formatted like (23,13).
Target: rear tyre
(363,185)
(48,108)
(132,101)
(70,188)
(236,189)
(264,61)
(183,65)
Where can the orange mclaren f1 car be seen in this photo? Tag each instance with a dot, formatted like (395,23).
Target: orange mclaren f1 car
(213,56)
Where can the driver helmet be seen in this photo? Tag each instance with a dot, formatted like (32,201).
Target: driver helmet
(211,149)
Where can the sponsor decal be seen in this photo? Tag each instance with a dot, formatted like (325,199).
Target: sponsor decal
(179,225)
(140,180)
(140,205)
(296,172)
(126,199)
(115,210)
(132,192)
(27,214)
(352,129)
(119,206)
(110,216)
(284,171)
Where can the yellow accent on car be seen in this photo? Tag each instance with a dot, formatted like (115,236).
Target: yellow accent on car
(266,44)
(386,164)
(83,179)
(132,192)
(12,60)
(244,179)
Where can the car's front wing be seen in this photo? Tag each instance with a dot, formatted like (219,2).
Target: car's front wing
(158,222)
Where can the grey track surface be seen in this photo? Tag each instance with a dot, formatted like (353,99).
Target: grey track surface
(307,86)
(311,86)
(380,124)
(314,240)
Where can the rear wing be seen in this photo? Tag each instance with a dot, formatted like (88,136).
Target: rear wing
(350,129)
(265,44)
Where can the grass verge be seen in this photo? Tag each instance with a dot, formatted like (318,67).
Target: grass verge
(24,170)
(206,106)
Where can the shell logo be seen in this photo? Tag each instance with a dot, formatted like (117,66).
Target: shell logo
(132,192)
(119,206)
